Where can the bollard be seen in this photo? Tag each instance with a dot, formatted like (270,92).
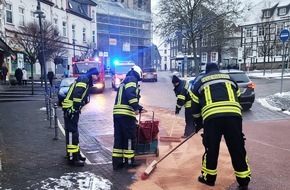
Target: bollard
(56,137)
(46,106)
(50,113)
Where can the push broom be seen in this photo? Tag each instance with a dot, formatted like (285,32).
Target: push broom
(170,138)
(153,164)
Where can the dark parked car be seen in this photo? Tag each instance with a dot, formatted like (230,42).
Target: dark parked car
(149,74)
(245,84)
(63,89)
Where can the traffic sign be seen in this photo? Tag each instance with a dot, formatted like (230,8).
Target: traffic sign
(284,35)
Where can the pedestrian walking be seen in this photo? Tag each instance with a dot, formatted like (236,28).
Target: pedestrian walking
(126,108)
(50,76)
(4,72)
(215,98)
(71,106)
(24,77)
(18,75)
(181,90)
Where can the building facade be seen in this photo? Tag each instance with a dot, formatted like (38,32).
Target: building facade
(124,31)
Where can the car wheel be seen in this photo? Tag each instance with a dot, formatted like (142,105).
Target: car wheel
(246,107)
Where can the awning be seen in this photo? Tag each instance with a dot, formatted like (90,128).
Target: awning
(7,51)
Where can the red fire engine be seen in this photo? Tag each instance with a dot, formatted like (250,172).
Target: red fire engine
(81,67)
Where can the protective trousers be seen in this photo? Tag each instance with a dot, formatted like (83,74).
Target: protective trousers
(189,122)
(231,128)
(72,136)
(125,130)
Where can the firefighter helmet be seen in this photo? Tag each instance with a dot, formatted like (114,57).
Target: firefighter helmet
(93,71)
(138,71)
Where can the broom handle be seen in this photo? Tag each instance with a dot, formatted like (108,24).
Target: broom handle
(173,125)
(176,147)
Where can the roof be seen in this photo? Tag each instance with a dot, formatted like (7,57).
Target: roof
(254,13)
(5,48)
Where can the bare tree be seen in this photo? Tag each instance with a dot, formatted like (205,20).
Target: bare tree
(193,18)
(28,39)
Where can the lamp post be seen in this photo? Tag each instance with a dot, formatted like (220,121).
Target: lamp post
(41,15)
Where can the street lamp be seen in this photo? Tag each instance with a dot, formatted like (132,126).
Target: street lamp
(41,15)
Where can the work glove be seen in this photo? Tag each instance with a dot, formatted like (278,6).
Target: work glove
(198,124)
(177,110)
(71,113)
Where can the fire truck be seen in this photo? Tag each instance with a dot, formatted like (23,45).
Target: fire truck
(119,71)
(82,66)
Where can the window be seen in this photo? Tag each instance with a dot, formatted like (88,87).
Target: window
(261,31)
(94,37)
(9,13)
(165,58)
(267,14)
(204,41)
(73,30)
(93,15)
(33,16)
(213,57)
(204,57)
(165,45)
(213,41)
(280,27)
(282,11)
(84,34)
(64,29)
(249,32)
(165,51)
(21,16)
(55,23)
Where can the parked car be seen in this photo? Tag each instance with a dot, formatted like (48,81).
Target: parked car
(63,89)
(245,84)
(149,74)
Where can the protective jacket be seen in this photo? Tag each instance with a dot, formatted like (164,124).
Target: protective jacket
(216,95)
(127,99)
(182,94)
(76,93)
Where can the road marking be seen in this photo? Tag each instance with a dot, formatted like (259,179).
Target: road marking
(267,144)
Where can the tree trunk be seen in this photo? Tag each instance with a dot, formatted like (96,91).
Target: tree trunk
(32,79)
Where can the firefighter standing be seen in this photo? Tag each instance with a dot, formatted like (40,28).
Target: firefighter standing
(181,89)
(71,107)
(215,100)
(126,108)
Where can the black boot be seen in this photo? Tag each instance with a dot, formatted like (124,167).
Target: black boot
(134,164)
(202,180)
(76,160)
(81,158)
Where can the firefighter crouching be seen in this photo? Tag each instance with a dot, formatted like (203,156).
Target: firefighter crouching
(71,107)
(181,89)
(126,108)
(215,101)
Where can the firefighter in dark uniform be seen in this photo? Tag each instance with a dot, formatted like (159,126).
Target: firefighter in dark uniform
(216,108)
(126,108)
(71,108)
(181,89)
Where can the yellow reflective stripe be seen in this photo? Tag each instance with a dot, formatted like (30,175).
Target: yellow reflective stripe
(77,99)
(116,150)
(120,93)
(197,115)
(67,103)
(123,106)
(246,173)
(178,106)
(207,94)
(182,97)
(72,148)
(130,84)
(220,104)
(239,93)
(230,92)
(81,84)
(187,104)
(133,100)
(129,153)
(208,171)
(194,97)
(225,109)
(124,112)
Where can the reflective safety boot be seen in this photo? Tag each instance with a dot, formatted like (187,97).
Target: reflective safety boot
(76,161)
(202,180)
(82,158)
